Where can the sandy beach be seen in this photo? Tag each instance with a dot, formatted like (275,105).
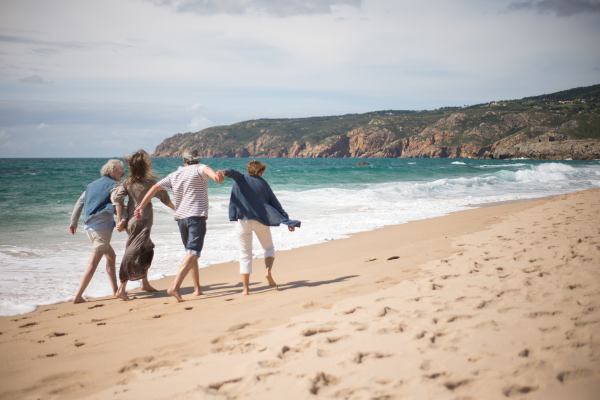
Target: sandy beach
(494,302)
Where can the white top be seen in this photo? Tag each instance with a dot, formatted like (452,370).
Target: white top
(190,191)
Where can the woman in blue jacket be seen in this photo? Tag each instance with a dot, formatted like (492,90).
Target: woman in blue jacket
(255,208)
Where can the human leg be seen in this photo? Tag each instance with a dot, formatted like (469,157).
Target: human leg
(192,231)
(100,246)
(195,271)
(188,263)
(243,233)
(88,273)
(246,283)
(111,269)
(122,291)
(263,233)
(146,287)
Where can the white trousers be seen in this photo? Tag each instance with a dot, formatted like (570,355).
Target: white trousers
(243,231)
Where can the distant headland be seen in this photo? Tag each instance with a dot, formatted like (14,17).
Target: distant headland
(559,125)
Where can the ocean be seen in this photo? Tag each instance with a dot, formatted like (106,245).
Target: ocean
(41,262)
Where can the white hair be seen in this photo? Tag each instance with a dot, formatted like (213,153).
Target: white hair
(110,166)
(191,156)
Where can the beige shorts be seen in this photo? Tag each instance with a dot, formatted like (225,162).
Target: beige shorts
(100,241)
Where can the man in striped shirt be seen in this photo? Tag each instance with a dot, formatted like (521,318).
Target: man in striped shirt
(189,185)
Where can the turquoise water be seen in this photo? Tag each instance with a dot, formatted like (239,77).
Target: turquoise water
(41,263)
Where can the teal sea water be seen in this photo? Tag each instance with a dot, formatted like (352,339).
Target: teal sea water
(41,263)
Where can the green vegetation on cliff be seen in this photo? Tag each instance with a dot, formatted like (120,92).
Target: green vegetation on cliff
(451,130)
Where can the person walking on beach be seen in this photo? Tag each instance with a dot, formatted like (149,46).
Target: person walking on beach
(139,250)
(99,224)
(255,208)
(189,185)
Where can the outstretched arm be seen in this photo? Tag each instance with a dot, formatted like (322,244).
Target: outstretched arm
(230,173)
(139,211)
(208,171)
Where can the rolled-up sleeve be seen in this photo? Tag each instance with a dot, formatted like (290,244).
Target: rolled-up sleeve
(77,210)
(117,198)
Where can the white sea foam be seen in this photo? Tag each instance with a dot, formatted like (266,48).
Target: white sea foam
(38,274)
(458,163)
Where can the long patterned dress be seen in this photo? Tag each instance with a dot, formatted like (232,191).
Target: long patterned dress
(139,250)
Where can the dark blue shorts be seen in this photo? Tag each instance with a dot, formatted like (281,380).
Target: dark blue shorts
(193,230)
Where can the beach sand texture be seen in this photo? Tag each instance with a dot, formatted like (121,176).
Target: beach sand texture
(491,303)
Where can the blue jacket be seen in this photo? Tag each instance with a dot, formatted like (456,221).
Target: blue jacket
(252,198)
(97,197)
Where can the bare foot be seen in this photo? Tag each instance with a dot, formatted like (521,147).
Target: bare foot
(175,294)
(270,279)
(198,293)
(148,289)
(245,292)
(122,296)
(78,300)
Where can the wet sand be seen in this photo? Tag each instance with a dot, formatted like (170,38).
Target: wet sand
(494,302)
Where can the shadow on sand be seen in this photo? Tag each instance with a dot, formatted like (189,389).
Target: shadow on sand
(226,289)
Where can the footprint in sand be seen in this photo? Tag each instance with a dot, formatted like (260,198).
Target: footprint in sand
(524,353)
(55,334)
(570,375)
(314,331)
(237,327)
(29,324)
(455,384)
(51,355)
(97,305)
(189,308)
(517,390)
(543,314)
(79,344)
(101,323)
(322,380)
(359,357)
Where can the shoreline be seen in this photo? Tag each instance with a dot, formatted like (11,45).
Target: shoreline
(216,265)
(90,349)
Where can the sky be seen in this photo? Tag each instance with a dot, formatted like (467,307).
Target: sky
(82,78)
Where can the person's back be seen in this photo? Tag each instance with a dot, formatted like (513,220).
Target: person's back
(189,185)
(255,208)
(252,198)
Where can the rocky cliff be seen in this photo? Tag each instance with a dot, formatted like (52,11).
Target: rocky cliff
(532,128)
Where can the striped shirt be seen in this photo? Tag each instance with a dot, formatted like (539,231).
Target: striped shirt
(190,191)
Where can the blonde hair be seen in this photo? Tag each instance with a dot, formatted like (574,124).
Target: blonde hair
(140,167)
(255,167)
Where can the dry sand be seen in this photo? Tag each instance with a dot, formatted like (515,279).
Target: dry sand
(489,303)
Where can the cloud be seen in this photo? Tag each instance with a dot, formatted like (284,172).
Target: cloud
(198,121)
(3,134)
(35,79)
(277,8)
(561,8)
(50,47)
(42,126)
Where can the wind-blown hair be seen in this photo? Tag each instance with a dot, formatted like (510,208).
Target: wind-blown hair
(191,156)
(140,167)
(255,167)
(110,166)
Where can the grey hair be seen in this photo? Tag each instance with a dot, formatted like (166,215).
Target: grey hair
(110,166)
(191,156)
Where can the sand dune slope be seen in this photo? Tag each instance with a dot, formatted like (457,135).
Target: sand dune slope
(514,313)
